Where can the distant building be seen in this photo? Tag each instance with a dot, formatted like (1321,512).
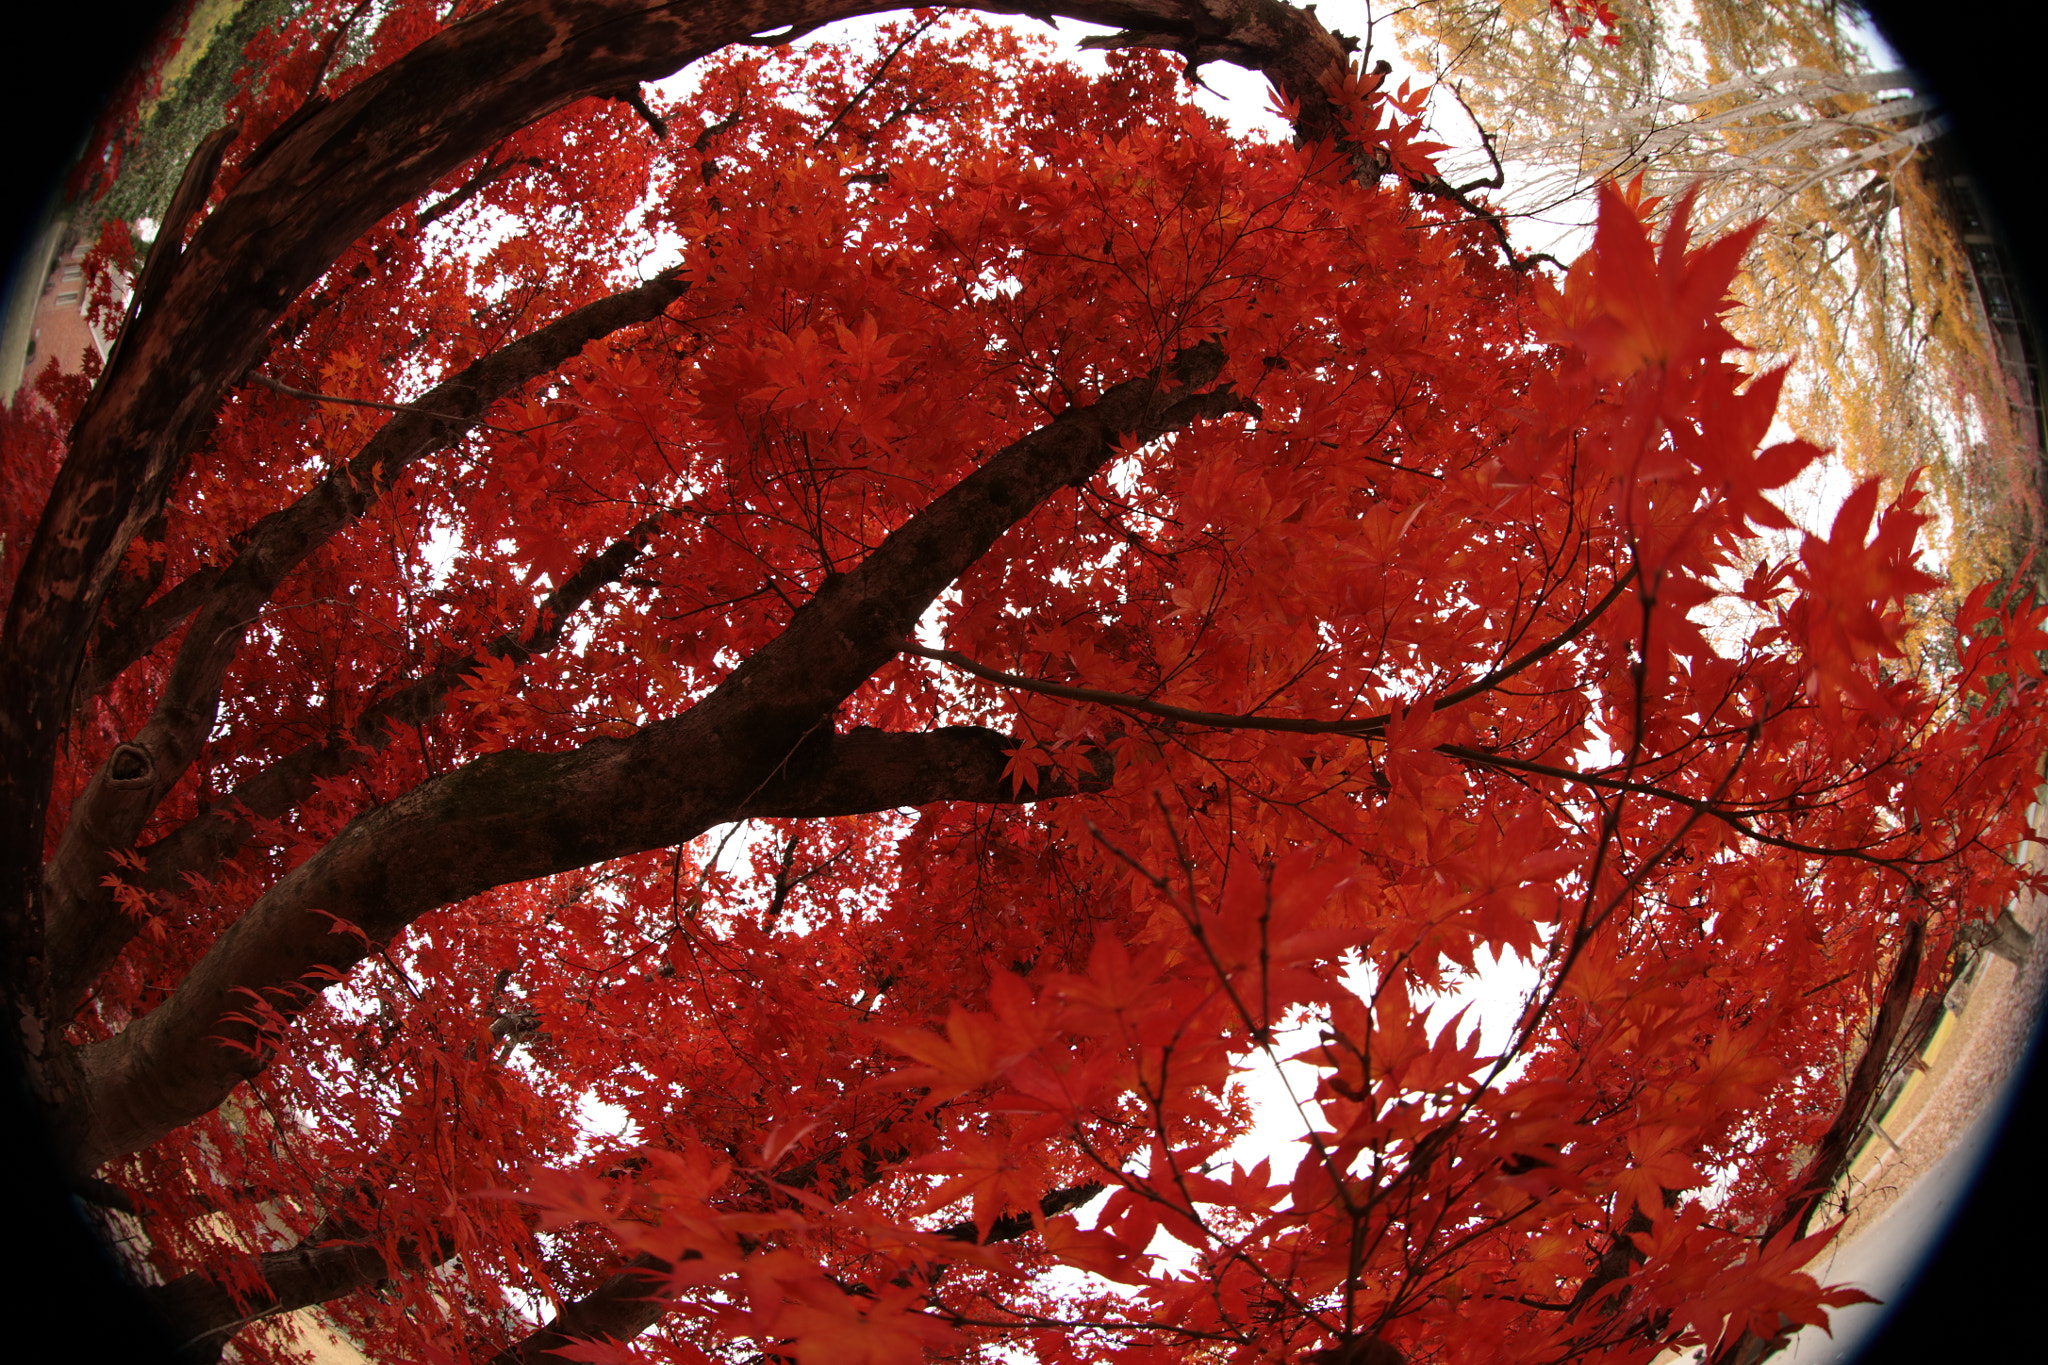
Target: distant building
(46,311)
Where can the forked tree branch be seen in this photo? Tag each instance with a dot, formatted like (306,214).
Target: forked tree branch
(760,743)
(93,929)
(108,817)
(132,630)
(206,307)
(1737,818)
(315,186)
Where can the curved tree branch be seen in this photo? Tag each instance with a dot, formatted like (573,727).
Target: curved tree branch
(762,736)
(629,1301)
(91,929)
(1360,727)
(203,1315)
(82,919)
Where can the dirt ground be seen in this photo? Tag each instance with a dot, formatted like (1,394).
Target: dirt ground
(1968,1060)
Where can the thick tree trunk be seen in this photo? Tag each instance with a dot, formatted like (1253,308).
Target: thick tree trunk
(203,315)
(318,183)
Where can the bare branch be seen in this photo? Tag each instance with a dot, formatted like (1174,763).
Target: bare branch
(1360,727)
(475,185)
(874,78)
(311,397)
(1736,819)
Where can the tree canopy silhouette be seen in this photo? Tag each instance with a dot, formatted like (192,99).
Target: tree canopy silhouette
(715,727)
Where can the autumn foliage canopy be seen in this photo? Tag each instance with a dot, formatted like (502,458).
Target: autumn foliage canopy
(716,727)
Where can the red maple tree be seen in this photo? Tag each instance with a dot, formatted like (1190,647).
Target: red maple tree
(900,622)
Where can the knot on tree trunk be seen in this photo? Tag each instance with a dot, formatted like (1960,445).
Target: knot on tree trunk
(130,768)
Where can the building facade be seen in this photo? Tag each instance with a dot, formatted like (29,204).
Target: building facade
(46,317)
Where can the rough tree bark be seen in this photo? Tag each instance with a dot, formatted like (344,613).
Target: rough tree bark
(85,927)
(204,309)
(761,745)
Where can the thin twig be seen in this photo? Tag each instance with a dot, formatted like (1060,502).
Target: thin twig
(311,397)
(1361,727)
(874,79)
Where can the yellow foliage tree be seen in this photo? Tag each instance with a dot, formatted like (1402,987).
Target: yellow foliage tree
(1874,268)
